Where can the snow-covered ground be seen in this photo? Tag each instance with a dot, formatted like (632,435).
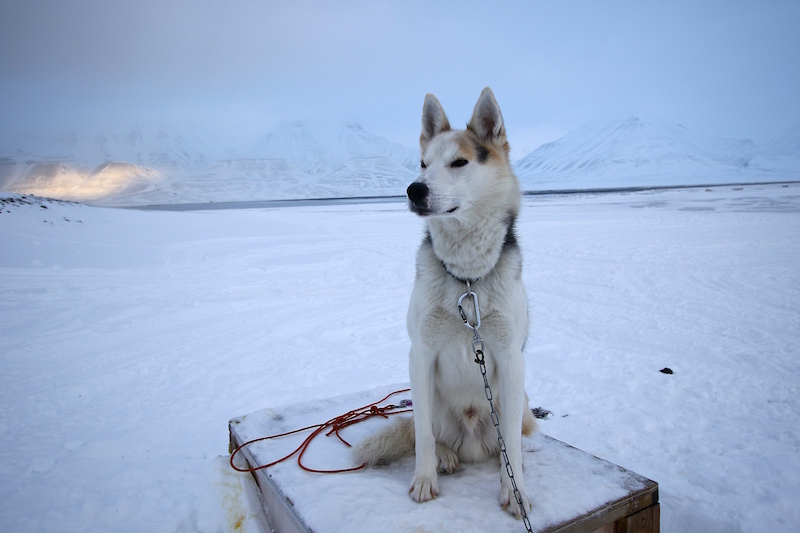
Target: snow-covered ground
(129,338)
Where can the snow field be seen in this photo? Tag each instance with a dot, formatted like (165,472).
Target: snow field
(706,285)
(129,338)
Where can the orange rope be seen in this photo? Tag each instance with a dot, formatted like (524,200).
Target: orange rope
(335,424)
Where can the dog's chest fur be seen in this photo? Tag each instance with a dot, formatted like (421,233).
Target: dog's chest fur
(434,314)
(471,251)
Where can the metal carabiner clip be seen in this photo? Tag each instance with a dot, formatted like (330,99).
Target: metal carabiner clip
(477,309)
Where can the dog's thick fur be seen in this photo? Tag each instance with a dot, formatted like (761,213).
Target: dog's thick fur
(469,198)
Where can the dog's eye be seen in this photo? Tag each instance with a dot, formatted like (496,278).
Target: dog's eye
(423,165)
(460,162)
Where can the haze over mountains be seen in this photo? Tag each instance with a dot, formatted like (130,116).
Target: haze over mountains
(156,166)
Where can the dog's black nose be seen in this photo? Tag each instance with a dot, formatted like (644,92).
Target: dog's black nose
(417,192)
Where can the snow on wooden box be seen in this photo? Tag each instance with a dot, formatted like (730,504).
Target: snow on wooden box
(572,491)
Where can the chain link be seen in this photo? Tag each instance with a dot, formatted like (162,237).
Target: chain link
(477,349)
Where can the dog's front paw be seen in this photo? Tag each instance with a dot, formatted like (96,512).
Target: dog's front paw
(509,502)
(424,488)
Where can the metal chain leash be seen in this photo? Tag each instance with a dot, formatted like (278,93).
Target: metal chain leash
(477,349)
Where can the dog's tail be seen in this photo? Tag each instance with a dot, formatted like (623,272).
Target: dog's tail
(396,440)
(389,444)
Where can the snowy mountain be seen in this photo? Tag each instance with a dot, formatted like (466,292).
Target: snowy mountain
(159,166)
(320,149)
(609,153)
(152,147)
(788,143)
(736,151)
(67,180)
(779,158)
(155,166)
(640,152)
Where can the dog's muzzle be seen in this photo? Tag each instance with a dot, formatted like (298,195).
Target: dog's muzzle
(418,197)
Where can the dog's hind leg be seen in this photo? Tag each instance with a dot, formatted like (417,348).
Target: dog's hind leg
(447,458)
(396,441)
(528,420)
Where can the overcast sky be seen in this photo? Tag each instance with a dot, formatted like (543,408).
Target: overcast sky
(725,68)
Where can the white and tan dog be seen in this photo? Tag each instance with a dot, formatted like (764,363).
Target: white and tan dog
(469,198)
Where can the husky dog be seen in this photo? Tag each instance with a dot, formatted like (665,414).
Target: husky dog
(469,198)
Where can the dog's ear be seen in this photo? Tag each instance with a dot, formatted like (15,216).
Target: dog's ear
(434,121)
(487,122)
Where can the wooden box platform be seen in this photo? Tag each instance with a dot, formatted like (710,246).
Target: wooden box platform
(572,491)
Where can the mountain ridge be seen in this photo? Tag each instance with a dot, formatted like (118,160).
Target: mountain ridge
(295,160)
(637,151)
(298,160)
